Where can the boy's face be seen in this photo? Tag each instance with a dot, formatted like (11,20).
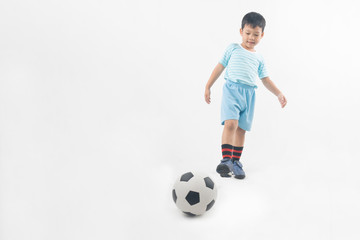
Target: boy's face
(251,36)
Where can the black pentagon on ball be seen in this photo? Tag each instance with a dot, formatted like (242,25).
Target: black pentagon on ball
(209,183)
(210,205)
(174,195)
(186,177)
(193,198)
(190,214)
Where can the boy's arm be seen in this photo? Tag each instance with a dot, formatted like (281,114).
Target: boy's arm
(270,85)
(219,68)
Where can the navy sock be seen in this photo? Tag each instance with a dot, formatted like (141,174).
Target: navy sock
(236,154)
(226,150)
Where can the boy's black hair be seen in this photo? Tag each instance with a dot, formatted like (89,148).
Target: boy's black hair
(254,20)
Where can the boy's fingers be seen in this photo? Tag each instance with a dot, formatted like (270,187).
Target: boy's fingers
(207,99)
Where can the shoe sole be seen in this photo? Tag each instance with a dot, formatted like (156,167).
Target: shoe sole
(239,176)
(223,170)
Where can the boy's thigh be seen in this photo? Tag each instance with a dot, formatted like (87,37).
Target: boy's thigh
(230,107)
(246,116)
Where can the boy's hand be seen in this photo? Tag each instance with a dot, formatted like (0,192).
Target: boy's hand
(207,95)
(282,100)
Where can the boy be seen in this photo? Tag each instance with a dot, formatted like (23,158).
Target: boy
(243,67)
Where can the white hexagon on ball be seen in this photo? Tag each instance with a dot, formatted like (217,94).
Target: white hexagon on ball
(194,193)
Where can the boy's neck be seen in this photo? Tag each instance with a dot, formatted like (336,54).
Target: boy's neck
(246,48)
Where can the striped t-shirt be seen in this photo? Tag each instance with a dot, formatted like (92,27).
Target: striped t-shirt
(242,65)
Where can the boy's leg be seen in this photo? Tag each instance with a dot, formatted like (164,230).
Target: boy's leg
(238,148)
(226,165)
(229,131)
(239,137)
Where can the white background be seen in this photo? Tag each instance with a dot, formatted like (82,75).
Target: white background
(102,108)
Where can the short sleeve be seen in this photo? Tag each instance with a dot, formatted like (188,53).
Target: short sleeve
(262,71)
(225,58)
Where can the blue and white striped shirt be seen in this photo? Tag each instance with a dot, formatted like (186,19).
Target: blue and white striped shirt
(242,65)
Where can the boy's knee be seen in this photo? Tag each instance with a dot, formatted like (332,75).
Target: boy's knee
(240,130)
(231,125)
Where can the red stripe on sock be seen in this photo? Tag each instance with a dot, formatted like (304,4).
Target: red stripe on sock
(226,156)
(227,150)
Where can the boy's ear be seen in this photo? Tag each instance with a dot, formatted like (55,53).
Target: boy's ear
(241,31)
(262,34)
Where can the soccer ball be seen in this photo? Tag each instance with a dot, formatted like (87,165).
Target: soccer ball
(194,193)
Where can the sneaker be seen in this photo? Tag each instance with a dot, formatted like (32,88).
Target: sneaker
(238,171)
(225,167)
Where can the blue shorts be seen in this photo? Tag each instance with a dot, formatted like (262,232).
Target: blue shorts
(238,103)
